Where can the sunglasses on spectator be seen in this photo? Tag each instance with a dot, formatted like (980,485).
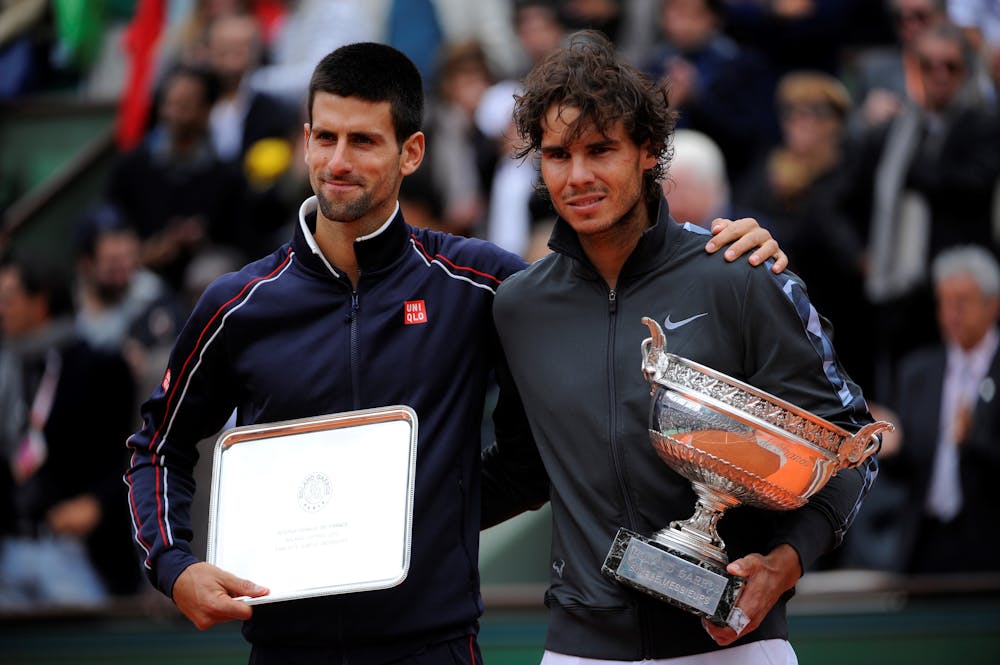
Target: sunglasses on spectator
(951,66)
(808,109)
(922,16)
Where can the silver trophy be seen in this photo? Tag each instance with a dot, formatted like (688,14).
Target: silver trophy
(737,445)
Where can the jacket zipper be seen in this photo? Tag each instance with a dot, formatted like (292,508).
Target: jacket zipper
(617,457)
(616,451)
(355,350)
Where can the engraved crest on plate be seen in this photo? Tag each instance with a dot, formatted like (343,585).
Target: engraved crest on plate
(315,492)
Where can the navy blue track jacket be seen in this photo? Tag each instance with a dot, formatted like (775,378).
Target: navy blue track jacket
(287,337)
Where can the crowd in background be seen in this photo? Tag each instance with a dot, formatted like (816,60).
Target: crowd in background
(864,135)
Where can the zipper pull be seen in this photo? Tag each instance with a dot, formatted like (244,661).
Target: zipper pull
(612,301)
(354,308)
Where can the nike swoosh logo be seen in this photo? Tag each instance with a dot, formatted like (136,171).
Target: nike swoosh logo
(674,325)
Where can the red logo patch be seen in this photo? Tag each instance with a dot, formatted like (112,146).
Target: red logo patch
(414,311)
(165,384)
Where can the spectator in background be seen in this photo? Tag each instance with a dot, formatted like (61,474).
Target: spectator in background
(797,34)
(68,542)
(980,20)
(442,22)
(173,186)
(719,88)
(253,131)
(509,218)
(795,190)
(930,177)
(696,187)
(241,116)
(461,158)
(949,458)
(115,292)
(884,78)
(540,30)
(605,16)
(518,218)
(185,36)
(123,307)
(309,30)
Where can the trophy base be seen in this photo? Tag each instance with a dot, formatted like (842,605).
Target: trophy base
(699,587)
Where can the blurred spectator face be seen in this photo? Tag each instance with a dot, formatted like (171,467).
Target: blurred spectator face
(467,86)
(691,197)
(591,12)
(539,31)
(465,76)
(20,312)
(697,188)
(912,17)
(942,69)
(687,24)
(808,125)
(812,107)
(185,109)
(116,258)
(965,314)
(233,48)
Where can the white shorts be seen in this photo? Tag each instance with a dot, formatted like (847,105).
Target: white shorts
(763,652)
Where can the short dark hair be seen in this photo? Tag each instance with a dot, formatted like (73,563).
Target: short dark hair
(375,73)
(103,220)
(588,74)
(211,87)
(42,276)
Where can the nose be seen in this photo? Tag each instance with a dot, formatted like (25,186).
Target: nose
(580,172)
(339,162)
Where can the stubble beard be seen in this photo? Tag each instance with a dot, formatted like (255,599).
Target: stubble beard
(345,212)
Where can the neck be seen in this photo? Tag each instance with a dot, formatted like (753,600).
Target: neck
(608,250)
(336,241)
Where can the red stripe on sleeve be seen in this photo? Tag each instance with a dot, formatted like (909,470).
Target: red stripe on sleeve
(451,263)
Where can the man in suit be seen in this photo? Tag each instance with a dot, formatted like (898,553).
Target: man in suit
(949,410)
(242,116)
(254,131)
(921,183)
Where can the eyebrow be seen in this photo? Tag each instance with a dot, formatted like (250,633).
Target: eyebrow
(353,133)
(603,143)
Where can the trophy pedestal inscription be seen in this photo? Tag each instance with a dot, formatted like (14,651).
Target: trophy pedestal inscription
(697,586)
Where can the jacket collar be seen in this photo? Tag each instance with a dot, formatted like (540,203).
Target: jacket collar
(374,252)
(647,254)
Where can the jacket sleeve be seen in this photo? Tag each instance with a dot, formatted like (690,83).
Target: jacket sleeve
(789,353)
(193,401)
(514,478)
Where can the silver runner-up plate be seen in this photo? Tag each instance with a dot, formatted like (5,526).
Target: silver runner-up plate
(315,506)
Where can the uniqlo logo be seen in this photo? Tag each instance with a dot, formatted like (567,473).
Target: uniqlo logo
(414,311)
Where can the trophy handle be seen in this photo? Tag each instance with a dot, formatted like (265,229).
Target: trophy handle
(864,443)
(654,352)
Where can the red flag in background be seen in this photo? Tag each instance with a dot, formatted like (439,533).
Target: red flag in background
(140,42)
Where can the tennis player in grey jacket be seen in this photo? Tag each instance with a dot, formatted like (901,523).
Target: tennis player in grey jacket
(570,327)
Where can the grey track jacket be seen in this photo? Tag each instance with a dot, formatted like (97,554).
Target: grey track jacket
(573,346)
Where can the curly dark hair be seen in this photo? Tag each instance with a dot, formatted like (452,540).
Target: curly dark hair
(589,75)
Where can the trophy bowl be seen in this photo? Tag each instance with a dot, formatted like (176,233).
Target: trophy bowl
(736,444)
